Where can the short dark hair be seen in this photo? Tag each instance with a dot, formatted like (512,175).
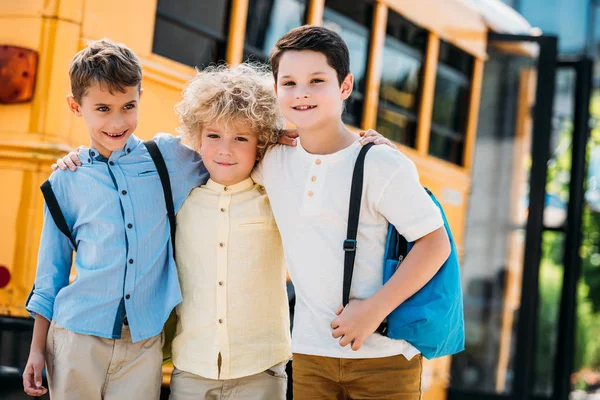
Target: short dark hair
(314,38)
(104,62)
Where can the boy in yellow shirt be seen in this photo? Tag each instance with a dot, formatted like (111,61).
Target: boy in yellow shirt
(233,333)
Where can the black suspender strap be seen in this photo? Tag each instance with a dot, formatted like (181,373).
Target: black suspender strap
(55,211)
(353,216)
(163,174)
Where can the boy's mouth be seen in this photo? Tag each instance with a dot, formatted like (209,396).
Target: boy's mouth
(303,108)
(115,135)
(225,164)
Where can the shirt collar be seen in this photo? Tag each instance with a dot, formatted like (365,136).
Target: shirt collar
(90,155)
(328,158)
(238,187)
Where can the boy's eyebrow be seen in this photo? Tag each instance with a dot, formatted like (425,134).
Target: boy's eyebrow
(312,73)
(104,104)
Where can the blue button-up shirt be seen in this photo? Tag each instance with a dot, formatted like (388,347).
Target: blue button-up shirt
(124,262)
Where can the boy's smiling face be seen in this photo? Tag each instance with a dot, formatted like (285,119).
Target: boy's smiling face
(110,118)
(308,90)
(228,154)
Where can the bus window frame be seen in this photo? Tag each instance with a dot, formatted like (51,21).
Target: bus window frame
(354,26)
(221,40)
(253,51)
(412,116)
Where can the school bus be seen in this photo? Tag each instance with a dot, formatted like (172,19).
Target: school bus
(418,67)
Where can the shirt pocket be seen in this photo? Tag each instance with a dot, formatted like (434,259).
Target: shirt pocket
(255,224)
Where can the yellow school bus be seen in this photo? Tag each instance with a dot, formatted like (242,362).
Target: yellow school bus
(418,67)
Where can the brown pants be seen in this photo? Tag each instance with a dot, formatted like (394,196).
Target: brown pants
(84,367)
(326,378)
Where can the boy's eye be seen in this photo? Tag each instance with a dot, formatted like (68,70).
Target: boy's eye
(288,83)
(103,109)
(317,80)
(212,136)
(129,106)
(241,139)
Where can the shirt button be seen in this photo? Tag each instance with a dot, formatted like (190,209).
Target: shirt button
(89,160)
(310,193)
(131,261)
(129,150)
(220,320)
(225,188)
(221,283)
(124,192)
(317,161)
(221,244)
(128,297)
(111,163)
(314,178)
(92,153)
(222,210)
(129,226)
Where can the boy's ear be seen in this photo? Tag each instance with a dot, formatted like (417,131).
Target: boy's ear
(141,91)
(275,88)
(347,85)
(73,105)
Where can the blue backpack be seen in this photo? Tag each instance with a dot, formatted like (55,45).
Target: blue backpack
(432,319)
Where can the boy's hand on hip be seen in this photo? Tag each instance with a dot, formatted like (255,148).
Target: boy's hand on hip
(32,377)
(355,323)
(375,137)
(288,137)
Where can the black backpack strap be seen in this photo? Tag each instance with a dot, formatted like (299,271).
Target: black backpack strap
(163,174)
(56,212)
(353,216)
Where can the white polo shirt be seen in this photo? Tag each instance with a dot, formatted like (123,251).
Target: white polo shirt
(309,195)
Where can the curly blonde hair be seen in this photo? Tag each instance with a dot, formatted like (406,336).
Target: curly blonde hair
(242,94)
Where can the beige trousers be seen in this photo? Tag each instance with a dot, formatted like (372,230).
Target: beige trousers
(268,385)
(93,368)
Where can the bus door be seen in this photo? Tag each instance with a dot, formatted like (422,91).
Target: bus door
(521,261)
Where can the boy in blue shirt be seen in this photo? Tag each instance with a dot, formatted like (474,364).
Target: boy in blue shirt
(101,336)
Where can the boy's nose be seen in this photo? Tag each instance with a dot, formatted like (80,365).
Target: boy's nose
(225,148)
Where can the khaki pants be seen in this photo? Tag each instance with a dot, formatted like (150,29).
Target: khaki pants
(389,378)
(268,385)
(93,368)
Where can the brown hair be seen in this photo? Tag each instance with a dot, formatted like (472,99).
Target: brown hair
(314,38)
(242,94)
(106,63)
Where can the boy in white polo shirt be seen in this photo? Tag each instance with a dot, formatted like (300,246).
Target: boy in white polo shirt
(309,190)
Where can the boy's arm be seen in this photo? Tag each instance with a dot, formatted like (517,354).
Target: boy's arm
(32,377)
(360,318)
(55,257)
(404,203)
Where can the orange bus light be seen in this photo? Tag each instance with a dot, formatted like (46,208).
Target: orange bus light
(17,74)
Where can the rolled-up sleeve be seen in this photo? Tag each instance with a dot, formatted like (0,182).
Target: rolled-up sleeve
(54,264)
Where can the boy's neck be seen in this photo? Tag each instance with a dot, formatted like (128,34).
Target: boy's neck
(229,183)
(327,139)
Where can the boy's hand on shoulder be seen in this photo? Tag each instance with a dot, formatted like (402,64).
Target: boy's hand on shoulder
(32,377)
(372,136)
(70,161)
(288,137)
(355,323)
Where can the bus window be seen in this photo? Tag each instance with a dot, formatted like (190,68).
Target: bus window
(451,104)
(191,32)
(267,21)
(352,21)
(405,45)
